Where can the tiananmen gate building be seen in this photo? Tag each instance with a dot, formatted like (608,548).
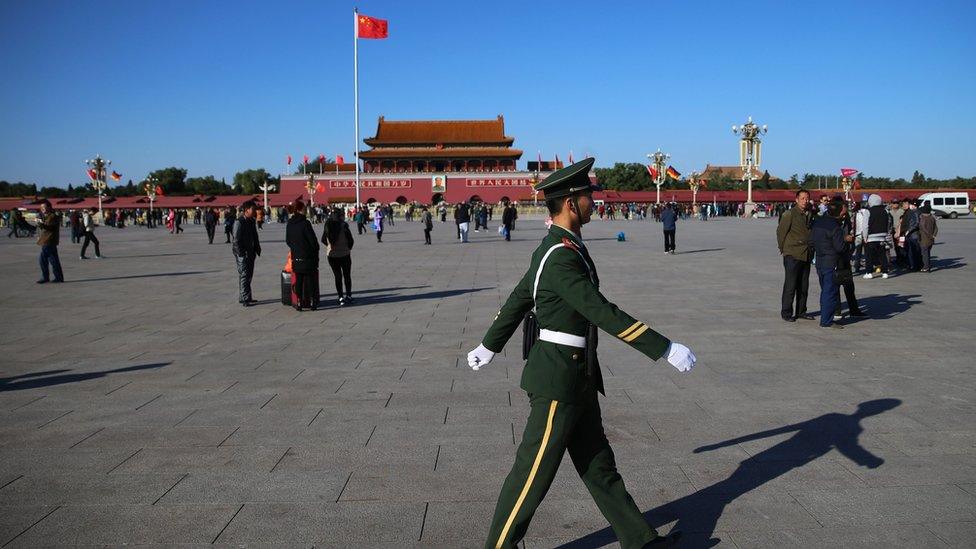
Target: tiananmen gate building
(427,161)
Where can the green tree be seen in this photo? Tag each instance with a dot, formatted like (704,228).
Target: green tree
(249,181)
(207,185)
(918,178)
(172,180)
(625,177)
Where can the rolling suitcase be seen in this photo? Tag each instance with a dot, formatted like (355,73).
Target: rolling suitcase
(286,288)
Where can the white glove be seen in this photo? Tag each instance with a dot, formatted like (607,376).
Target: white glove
(479,357)
(679,356)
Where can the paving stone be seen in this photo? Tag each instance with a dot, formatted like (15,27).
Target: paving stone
(152,408)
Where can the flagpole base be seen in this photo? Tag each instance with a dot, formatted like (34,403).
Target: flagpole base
(748,209)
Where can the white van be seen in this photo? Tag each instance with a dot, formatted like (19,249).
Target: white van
(947,204)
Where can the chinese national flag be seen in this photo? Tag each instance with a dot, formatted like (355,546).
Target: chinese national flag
(319,187)
(340,160)
(305,159)
(159,190)
(92,175)
(289,160)
(370,27)
(651,170)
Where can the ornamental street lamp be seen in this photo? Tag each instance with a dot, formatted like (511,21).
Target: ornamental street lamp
(97,166)
(847,184)
(658,160)
(695,183)
(750,155)
(266,187)
(310,185)
(150,189)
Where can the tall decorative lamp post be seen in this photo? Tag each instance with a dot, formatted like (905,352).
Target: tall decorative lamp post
(98,165)
(847,184)
(695,183)
(150,188)
(266,187)
(310,185)
(750,155)
(658,160)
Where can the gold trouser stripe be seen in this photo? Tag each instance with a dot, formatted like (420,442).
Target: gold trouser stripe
(633,326)
(532,472)
(636,333)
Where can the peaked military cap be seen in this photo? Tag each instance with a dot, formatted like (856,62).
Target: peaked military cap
(568,180)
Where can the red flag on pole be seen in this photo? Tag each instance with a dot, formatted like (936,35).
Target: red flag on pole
(305,159)
(321,159)
(289,160)
(159,190)
(371,27)
(847,172)
(91,174)
(319,187)
(340,160)
(571,157)
(653,171)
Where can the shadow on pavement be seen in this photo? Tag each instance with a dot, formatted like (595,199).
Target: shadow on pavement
(396,298)
(697,514)
(940,264)
(11,383)
(700,251)
(139,276)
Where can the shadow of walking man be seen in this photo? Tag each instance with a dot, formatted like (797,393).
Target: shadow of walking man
(698,514)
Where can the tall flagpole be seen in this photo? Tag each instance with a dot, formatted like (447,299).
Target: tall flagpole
(355,80)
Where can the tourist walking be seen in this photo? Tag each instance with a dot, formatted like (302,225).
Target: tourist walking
(464,220)
(927,231)
(48,233)
(562,373)
(210,224)
(793,240)
(508,220)
(829,244)
(304,247)
(360,218)
(230,215)
(88,222)
(378,219)
(178,221)
(913,248)
(77,231)
(669,218)
(246,248)
(428,220)
(338,238)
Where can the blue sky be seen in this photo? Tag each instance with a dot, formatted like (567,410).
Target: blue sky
(220,86)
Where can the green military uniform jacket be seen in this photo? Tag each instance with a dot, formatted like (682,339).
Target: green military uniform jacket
(567,300)
(793,234)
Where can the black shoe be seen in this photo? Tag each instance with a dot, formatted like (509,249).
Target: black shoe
(858,314)
(663,541)
(42,281)
(833,325)
(805,317)
(788,319)
(298,308)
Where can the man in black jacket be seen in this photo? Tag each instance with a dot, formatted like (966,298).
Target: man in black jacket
(246,247)
(463,219)
(508,220)
(829,244)
(210,222)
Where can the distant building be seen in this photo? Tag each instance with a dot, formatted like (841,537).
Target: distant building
(736,173)
(429,161)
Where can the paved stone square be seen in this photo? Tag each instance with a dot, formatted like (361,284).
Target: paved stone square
(141,404)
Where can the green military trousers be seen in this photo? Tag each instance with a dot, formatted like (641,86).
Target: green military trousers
(554,427)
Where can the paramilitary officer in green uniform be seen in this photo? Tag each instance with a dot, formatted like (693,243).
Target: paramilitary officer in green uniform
(562,376)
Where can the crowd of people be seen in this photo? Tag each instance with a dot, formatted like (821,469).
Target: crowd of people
(842,240)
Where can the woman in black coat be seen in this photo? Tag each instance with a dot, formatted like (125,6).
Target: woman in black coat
(304,248)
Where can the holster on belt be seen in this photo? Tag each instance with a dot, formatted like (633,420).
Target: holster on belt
(591,364)
(530,333)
